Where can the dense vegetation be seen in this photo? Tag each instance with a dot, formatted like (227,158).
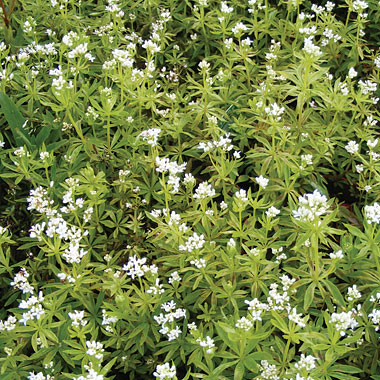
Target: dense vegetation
(189,190)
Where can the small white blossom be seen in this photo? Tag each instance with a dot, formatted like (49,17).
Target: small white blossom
(165,371)
(239,29)
(372,144)
(203,191)
(352,73)
(244,324)
(307,362)
(372,213)
(150,136)
(352,147)
(272,212)
(311,206)
(343,321)
(353,293)
(207,343)
(336,255)
(95,349)
(262,181)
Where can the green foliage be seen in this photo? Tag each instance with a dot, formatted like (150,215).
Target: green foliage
(189,189)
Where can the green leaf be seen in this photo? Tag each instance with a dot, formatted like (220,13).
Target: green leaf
(334,291)
(15,120)
(239,371)
(356,232)
(309,296)
(346,368)
(43,135)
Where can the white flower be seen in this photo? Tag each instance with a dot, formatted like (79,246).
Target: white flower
(372,213)
(203,191)
(375,316)
(272,212)
(262,181)
(268,371)
(150,136)
(329,6)
(151,46)
(241,195)
(174,277)
(310,48)
(231,243)
(239,29)
(311,206)
(198,263)
(352,147)
(296,318)
(275,110)
(207,343)
(95,349)
(20,281)
(353,293)
(228,43)
(307,362)
(157,288)
(193,242)
(372,144)
(137,267)
(165,371)
(223,205)
(359,168)
(225,8)
(77,318)
(21,152)
(336,255)
(9,324)
(367,86)
(188,179)
(204,65)
(343,321)
(244,324)
(352,73)
(307,159)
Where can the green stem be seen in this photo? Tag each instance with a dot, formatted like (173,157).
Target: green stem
(78,129)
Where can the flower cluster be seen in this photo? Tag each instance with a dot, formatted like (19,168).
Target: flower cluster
(9,324)
(167,320)
(194,242)
(136,267)
(77,318)
(244,324)
(372,213)
(95,349)
(151,136)
(343,321)
(312,206)
(57,225)
(207,343)
(268,371)
(164,165)
(203,191)
(20,282)
(34,306)
(224,143)
(165,371)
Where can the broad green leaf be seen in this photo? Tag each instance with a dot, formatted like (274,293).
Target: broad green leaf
(15,120)
(239,371)
(309,296)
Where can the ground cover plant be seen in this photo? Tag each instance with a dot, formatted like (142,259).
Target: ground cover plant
(189,190)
